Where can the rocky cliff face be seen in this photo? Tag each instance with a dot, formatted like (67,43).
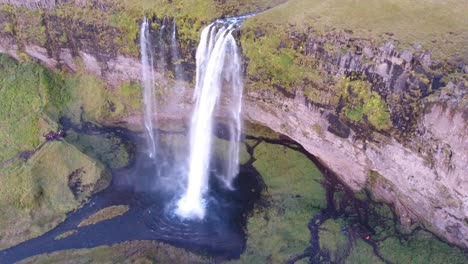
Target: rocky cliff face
(390,120)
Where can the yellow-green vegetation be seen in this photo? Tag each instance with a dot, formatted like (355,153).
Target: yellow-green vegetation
(130,95)
(90,98)
(439,26)
(65,234)
(272,58)
(278,230)
(333,241)
(360,101)
(126,252)
(110,26)
(37,194)
(33,98)
(25,89)
(420,248)
(104,214)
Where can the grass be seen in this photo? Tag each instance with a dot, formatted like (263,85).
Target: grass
(35,195)
(439,26)
(104,214)
(126,252)
(111,25)
(333,240)
(25,89)
(362,253)
(419,249)
(276,63)
(294,194)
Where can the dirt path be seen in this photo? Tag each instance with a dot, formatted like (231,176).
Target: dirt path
(24,155)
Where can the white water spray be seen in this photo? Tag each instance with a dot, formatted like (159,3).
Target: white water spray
(218,67)
(148,86)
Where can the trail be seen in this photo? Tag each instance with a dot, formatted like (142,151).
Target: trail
(24,155)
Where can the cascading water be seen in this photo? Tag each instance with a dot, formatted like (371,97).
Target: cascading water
(148,87)
(218,67)
(175,53)
(162,46)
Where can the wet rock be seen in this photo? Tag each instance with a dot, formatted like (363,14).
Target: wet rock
(337,127)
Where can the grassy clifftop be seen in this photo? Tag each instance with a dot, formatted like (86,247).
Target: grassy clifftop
(373,63)
(112,26)
(439,26)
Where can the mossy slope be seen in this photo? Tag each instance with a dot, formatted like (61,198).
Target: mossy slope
(37,194)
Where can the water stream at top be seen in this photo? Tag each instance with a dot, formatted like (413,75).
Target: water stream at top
(218,71)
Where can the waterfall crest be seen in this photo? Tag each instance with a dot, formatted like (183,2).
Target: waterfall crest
(218,68)
(148,87)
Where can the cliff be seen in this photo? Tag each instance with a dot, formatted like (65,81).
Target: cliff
(381,102)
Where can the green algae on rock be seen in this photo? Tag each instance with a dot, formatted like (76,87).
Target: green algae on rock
(37,194)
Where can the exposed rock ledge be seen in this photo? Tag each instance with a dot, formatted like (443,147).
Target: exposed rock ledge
(431,190)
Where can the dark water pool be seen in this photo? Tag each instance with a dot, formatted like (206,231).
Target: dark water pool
(150,215)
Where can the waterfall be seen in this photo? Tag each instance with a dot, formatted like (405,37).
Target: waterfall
(148,86)
(218,67)
(175,53)
(162,46)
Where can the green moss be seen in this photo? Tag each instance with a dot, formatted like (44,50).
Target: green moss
(91,100)
(362,253)
(36,194)
(355,114)
(131,93)
(257,130)
(294,194)
(360,101)
(419,249)
(25,89)
(333,240)
(28,26)
(277,63)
